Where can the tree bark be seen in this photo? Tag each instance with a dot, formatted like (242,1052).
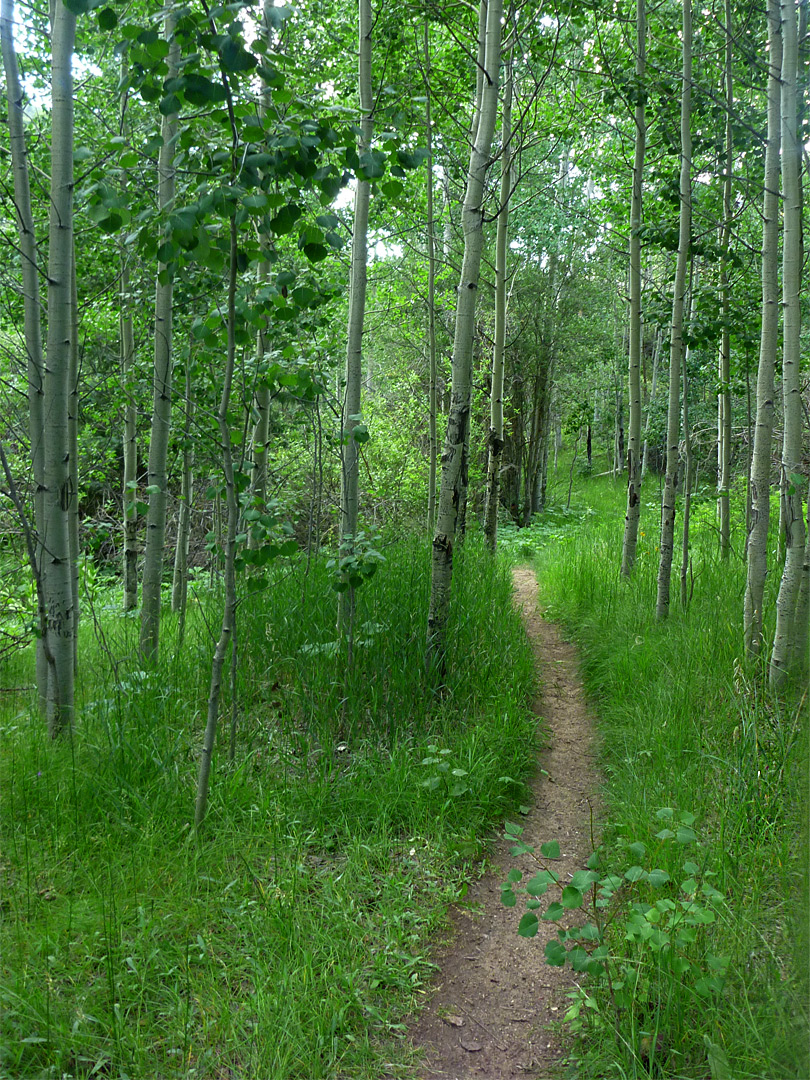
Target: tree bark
(676,341)
(495,437)
(32,315)
(769,335)
(58,496)
(433,445)
(352,404)
(157,479)
(634,470)
(458,421)
(724,360)
(792,481)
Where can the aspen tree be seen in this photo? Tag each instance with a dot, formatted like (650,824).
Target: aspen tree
(57,495)
(431,302)
(130,437)
(352,404)
(724,358)
(763,430)
(634,455)
(261,397)
(32,314)
(472,219)
(495,437)
(162,388)
(676,331)
(791,483)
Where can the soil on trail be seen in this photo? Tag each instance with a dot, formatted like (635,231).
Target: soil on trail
(494,997)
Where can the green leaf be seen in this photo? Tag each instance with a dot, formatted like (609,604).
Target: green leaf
(514,875)
(685,835)
(360,435)
(107,19)
(636,873)
(508,898)
(285,219)
(555,954)
(540,883)
(551,850)
(235,57)
(553,912)
(638,849)
(528,925)
(593,861)
(657,878)
(666,813)
(571,897)
(718,1060)
(583,879)
(665,834)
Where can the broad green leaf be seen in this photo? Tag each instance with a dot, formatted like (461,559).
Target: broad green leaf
(107,19)
(553,912)
(551,850)
(555,954)
(636,873)
(528,925)
(571,897)
(657,878)
(718,1060)
(583,879)
(508,898)
(685,835)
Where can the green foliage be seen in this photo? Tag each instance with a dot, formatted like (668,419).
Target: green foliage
(293,942)
(684,723)
(645,946)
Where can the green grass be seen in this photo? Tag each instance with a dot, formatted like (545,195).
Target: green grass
(291,940)
(683,723)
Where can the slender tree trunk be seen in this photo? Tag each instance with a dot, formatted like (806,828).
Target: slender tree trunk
(228,627)
(162,396)
(769,335)
(689,467)
(634,470)
(180,576)
(352,405)
(73,439)
(724,361)
(32,315)
(653,388)
(676,345)
(495,438)
(433,445)
(459,418)
(58,496)
(792,481)
(130,439)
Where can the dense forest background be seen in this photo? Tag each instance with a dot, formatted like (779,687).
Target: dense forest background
(312,319)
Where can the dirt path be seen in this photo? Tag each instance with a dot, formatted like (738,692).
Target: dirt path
(494,995)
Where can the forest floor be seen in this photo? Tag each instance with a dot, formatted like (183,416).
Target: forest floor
(495,1001)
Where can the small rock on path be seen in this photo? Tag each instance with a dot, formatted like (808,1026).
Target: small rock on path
(494,996)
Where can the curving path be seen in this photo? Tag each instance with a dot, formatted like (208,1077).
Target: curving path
(494,998)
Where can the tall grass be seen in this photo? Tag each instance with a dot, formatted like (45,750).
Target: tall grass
(684,723)
(290,940)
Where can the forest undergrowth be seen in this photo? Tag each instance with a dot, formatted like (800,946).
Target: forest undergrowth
(291,938)
(690,737)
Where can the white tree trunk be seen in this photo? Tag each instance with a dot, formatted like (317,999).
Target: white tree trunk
(352,403)
(676,340)
(58,496)
(634,457)
(157,479)
(724,359)
(32,311)
(458,420)
(769,334)
(495,437)
(792,481)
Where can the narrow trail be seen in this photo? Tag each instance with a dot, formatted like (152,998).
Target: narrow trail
(494,996)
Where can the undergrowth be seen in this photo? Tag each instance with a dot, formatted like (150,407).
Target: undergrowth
(684,724)
(291,939)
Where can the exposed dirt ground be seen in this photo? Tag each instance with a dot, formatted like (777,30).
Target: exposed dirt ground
(494,997)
